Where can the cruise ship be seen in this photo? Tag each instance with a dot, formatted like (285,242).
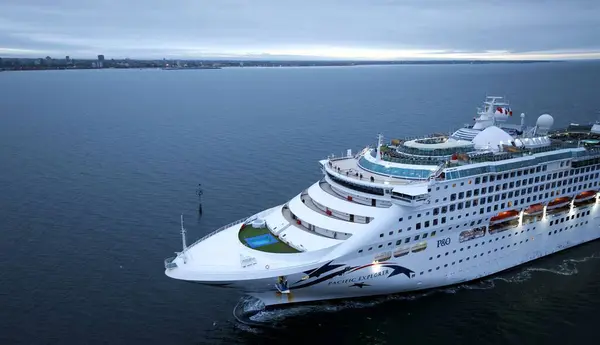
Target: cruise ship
(413,214)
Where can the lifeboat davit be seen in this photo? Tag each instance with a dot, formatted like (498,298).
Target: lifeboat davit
(588,194)
(534,209)
(504,216)
(558,202)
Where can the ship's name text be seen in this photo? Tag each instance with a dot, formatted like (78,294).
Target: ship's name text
(360,278)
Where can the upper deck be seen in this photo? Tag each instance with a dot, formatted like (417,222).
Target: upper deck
(492,150)
(367,169)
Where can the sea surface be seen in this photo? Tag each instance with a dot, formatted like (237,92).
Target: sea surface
(96,167)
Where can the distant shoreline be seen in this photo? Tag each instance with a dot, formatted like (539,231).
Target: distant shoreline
(50,64)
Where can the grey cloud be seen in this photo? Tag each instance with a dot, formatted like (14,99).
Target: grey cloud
(201,27)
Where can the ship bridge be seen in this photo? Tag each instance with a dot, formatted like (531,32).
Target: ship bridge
(411,195)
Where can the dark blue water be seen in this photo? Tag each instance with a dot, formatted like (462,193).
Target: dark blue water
(97,166)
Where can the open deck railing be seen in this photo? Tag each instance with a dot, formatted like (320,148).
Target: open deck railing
(219,230)
(432,152)
(412,161)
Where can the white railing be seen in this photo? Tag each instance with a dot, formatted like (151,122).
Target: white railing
(219,230)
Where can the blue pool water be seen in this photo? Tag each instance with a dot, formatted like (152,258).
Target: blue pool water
(261,240)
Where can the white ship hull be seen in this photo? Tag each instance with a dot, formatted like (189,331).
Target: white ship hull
(466,261)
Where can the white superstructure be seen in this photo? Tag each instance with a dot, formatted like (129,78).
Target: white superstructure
(413,215)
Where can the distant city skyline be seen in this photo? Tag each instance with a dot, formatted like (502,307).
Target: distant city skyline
(309,29)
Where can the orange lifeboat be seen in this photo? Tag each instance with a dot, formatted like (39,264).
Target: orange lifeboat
(534,209)
(504,216)
(558,202)
(588,194)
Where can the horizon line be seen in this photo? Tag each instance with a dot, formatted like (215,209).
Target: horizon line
(302,59)
(306,54)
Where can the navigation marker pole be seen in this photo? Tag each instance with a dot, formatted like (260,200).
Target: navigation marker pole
(199,192)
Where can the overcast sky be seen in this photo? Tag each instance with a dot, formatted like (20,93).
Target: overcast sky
(353,29)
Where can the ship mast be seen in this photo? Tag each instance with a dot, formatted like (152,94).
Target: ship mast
(379,144)
(183,240)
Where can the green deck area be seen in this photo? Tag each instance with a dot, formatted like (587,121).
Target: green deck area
(279,247)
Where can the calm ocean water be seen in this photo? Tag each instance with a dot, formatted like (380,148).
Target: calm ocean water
(96,166)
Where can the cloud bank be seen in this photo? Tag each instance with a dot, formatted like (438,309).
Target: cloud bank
(320,29)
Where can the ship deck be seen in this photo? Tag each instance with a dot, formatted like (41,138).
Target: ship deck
(349,167)
(263,240)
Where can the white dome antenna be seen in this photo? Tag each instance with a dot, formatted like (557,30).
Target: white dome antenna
(543,124)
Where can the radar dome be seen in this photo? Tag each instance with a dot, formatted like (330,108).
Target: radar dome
(491,138)
(545,121)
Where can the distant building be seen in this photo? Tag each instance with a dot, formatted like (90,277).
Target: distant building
(100,63)
(68,60)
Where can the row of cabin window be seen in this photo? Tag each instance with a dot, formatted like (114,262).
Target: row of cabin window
(516,193)
(490,199)
(424,236)
(523,182)
(435,222)
(567,227)
(443,220)
(525,172)
(511,185)
(475,256)
(518,183)
(498,177)
(497,207)
(417,237)
(473,223)
(573,216)
(482,243)
(389,244)
(481,210)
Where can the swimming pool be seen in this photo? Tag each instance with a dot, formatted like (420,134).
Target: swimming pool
(261,240)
